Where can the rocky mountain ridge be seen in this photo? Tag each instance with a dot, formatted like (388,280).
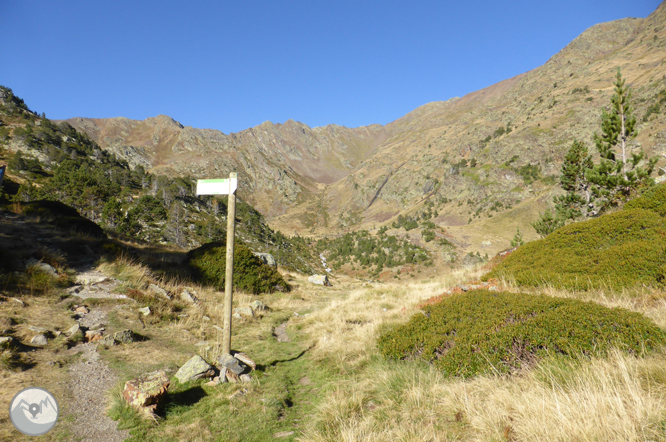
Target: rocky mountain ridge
(494,151)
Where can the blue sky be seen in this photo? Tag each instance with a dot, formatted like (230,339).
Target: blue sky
(230,65)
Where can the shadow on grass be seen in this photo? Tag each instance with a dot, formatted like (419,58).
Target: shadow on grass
(186,398)
(261,367)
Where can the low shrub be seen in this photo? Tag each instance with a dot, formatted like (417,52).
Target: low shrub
(618,250)
(654,200)
(483,332)
(208,265)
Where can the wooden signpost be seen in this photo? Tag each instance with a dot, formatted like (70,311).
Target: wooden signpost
(225,187)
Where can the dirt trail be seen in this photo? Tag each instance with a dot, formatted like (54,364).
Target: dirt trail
(90,381)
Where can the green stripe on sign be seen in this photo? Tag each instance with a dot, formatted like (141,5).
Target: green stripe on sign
(224,180)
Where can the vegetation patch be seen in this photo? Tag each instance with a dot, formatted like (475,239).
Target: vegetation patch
(251,275)
(619,250)
(482,332)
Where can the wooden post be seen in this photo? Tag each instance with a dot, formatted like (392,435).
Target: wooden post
(229,278)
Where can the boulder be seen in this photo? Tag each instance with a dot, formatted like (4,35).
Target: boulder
(41,266)
(257,306)
(147,391)
(245,359)
(82,309)
(195,368)
(189,296)
(93,335)
(267,258)
(245,378)
(232,364)
(121,337)
(159,291)
(39,339)
(319,280)
(145,311)
(244,311)
(72,330)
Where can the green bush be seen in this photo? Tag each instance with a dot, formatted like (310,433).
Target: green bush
(482,332)
(208,264)
(618,250)
(653,199)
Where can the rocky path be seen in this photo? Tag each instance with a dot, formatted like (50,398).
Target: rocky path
(90,381)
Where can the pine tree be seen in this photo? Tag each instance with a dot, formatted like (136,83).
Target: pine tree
(517,239)
(576,202)
(620,174)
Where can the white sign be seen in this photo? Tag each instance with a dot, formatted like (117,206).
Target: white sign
(225,186)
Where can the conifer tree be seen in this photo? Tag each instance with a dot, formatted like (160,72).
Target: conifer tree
(620,174)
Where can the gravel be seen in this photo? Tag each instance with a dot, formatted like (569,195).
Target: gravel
(90,381)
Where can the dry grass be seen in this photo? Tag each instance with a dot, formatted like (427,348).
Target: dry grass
(621,398)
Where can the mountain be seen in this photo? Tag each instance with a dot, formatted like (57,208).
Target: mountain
(479,166)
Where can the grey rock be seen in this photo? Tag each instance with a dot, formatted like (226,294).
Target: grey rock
(37,329)
(245,378)
(124,336)
(73,329)
(244,311)
(195,368)
(145,311)
(159,291)
(245,359)
(41,266)
(257,306)
(267,258)
(5,341)
(234,365)
(237,316)
(189,296)
(90,278)
(319,280)
(39,340)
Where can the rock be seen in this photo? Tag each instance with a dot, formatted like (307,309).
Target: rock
(206,318)
(75,289)
(257,306)
(41,266)
(245,359)
(18,301)
(159,291)
(37,329)
(145,311)
(245,378)
(90,278)
(124,336)
(237,316)
(93,335)
(82,309)
(244,311)
(267,258)
(232,377)
(187,296)
(107,341)
(234,365)
(223,375)
(39,339)
(319,280)
(213,382)
(195,368)
(146,392)
(5,341)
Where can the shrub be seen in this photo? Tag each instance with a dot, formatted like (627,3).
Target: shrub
(482,332)
(654,200)
(617,250)
(208,264)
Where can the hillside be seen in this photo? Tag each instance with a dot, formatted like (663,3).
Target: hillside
(493,151)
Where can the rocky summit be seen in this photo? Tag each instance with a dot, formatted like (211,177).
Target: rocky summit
(498,149)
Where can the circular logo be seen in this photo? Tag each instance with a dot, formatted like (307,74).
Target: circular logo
(34,411)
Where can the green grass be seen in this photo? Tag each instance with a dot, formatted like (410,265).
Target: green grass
(484,332)
(287,386)
(619,250)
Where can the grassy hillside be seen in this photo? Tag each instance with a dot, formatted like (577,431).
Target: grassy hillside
(618,250)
